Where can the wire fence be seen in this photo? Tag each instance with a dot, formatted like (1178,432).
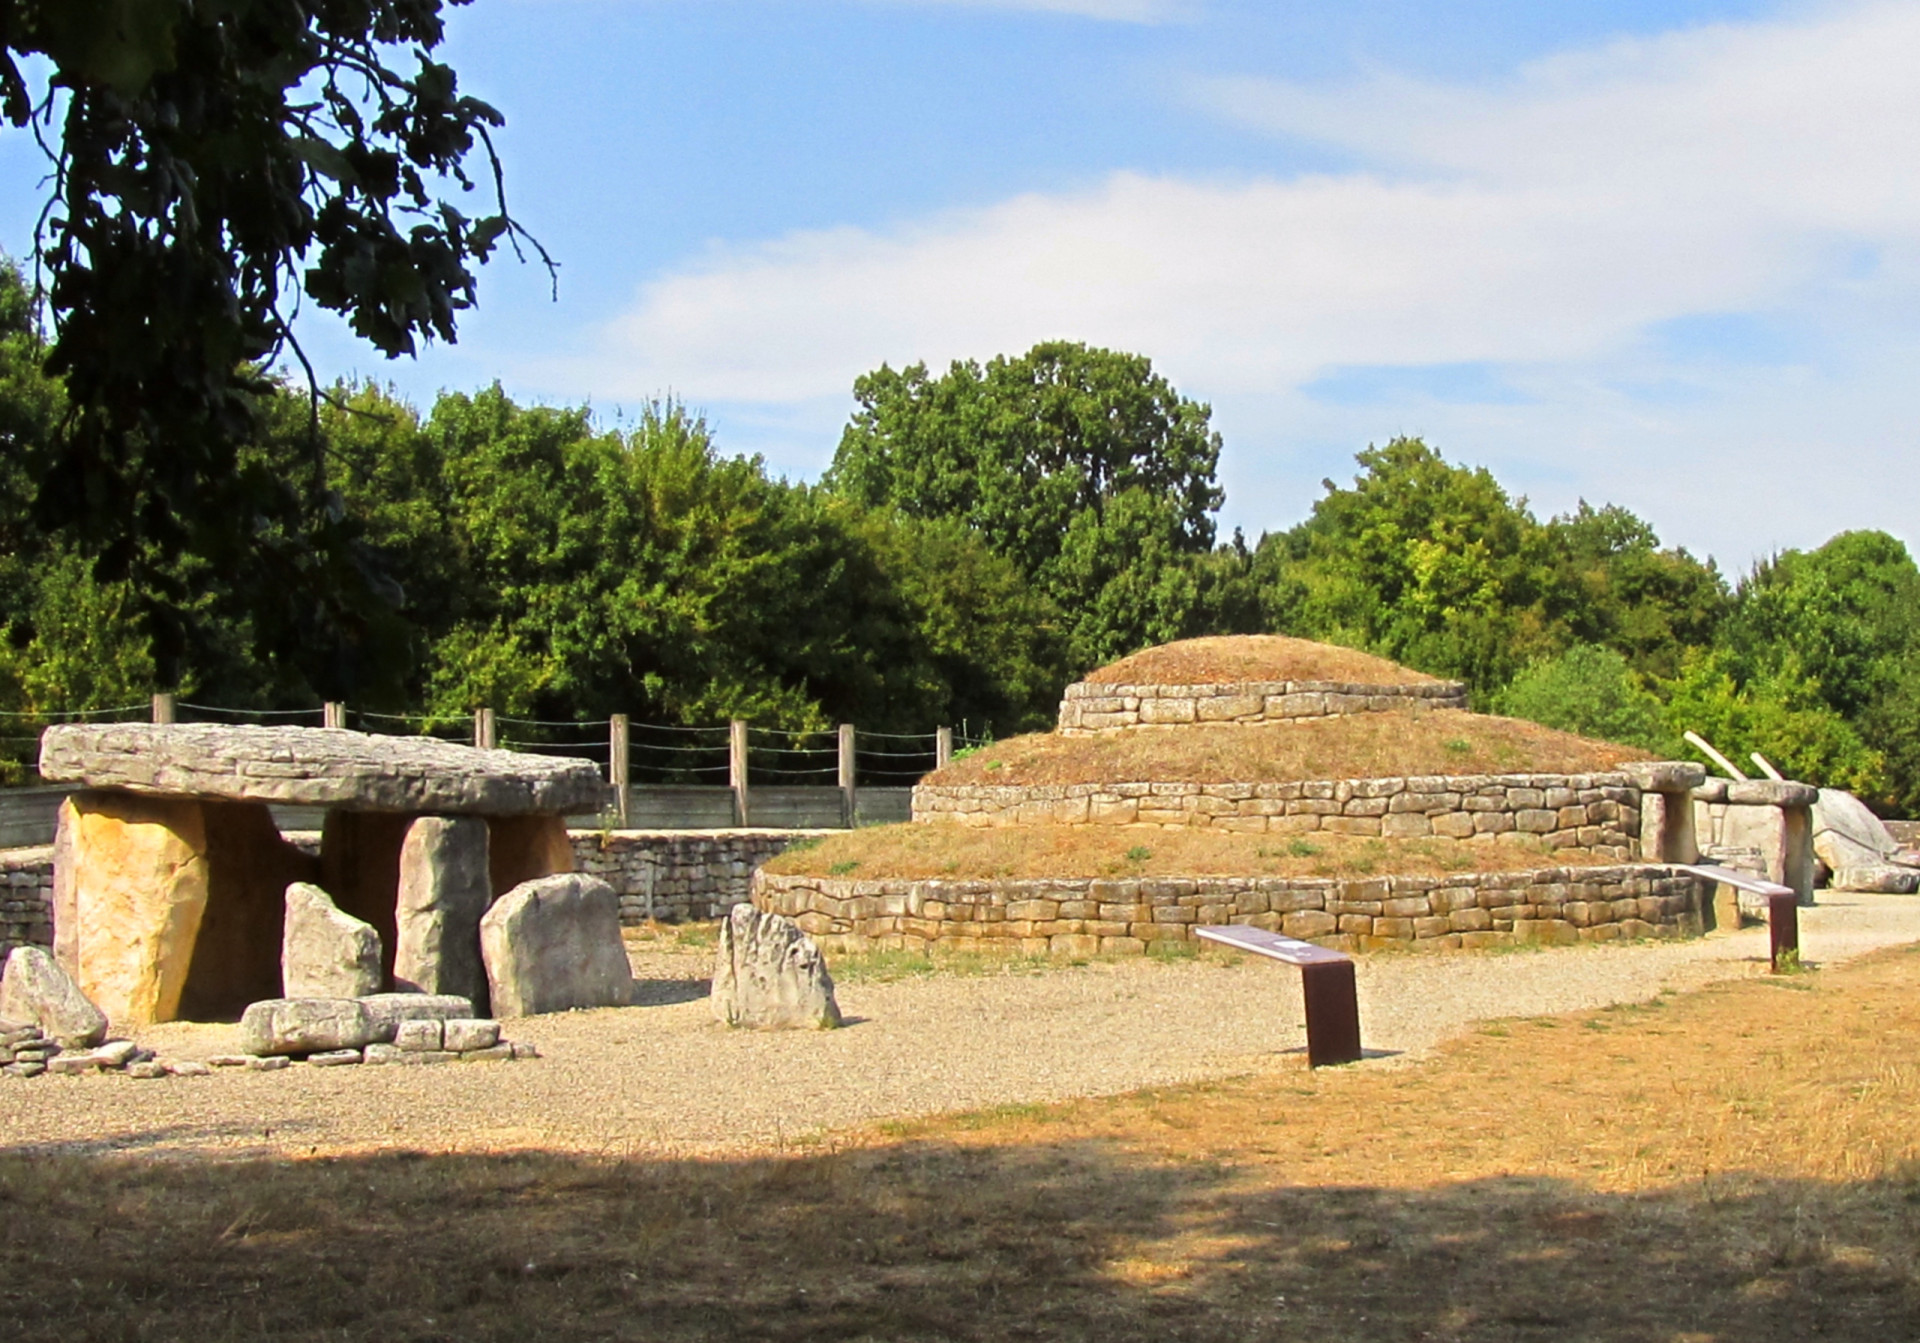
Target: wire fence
(655,754)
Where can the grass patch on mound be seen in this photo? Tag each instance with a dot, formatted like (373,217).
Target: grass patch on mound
(1351,746)
(933,850)
(1227,658)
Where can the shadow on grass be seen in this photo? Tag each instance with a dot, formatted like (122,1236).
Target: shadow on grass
(926,1240)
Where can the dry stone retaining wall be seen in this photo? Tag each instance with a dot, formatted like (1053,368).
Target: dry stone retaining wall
(26,899)
(1093,707)
(1595,813)
(694,875)
(1088,916)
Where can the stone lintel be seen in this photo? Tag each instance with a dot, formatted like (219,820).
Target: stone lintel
(311,766)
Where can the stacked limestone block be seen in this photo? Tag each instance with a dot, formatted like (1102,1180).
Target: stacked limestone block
(1099,707)
(170,875)
(1086,916)
(26,899)
(677,877)
(1611,819)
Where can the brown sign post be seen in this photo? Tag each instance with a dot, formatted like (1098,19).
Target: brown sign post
(1326,981)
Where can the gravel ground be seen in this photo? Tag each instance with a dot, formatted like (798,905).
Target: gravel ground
(664,1077)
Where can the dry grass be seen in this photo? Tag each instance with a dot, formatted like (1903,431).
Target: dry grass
(1352,746)
(974,852)
(1735,1165)
(1253,657)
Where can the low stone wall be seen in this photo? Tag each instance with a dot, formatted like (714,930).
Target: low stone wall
(1596,813)
(26,899)
(1088,916)
(678,875)
(1093,707)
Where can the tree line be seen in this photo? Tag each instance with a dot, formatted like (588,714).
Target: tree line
(984,536)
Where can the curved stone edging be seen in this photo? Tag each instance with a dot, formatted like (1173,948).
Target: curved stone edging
(1597,813)
(1092,706)
(1089,916)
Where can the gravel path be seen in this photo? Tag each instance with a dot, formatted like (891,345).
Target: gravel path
(665,1078)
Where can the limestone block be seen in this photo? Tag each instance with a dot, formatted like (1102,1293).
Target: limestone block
(463,1036)
(305,1026)
(770,975)
(35,991)
(317,767)
(1857,847)
(385,1011)
(420,1037)
(139,892)
(554,944)
(444,890)
(325,953)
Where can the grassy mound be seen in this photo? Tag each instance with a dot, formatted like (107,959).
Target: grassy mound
(1224,659)
(927,851)
(1354,746)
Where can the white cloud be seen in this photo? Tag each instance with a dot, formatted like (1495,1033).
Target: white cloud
(1544,226)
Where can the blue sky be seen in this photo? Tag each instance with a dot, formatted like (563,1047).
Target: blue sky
(1664,255)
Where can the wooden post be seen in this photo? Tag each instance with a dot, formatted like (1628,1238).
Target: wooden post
(485,736)
(163,709)
(943,748)
(737,769)
(333,714)
(618,771)
(847,798)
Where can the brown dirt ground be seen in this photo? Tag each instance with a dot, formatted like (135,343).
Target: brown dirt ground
(1736,1165)
(1351,746)
(976,852)
(1220,659)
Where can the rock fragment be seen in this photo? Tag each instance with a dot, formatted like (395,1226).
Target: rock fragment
(35,990)
(305,1026)
(554,944)
(770,975)
(325,953)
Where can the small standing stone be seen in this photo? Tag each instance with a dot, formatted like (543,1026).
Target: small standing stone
(770,975)
(323,952)
(34,989)
(554,944)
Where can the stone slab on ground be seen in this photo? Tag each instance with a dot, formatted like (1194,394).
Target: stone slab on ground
(305,1026)
(385,1011)
(318,767)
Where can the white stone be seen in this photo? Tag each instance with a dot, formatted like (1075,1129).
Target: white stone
(305,1026)
(462,1037)
(554,944)
(323,952)
(35,990)
(385,1011)
(770,975)
(419,1037)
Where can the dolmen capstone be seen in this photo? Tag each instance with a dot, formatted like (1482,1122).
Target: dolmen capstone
(171,879)
(770,975)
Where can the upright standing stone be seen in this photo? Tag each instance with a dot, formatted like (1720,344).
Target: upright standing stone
(36,991)
(137,895)
(324,953)
(554,944)
(770,975)
(444,889)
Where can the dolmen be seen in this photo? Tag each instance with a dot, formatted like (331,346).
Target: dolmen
(176,896)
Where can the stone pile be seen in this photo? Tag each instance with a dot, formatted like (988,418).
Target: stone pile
(27,1051)
(378,1028)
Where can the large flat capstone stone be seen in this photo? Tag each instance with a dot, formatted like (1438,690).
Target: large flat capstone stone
(315,766)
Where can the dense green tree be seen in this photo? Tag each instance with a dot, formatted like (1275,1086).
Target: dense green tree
(1082,465)
(1592,691)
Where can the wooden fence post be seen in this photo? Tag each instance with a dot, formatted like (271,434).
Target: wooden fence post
(943,748)
(163,709)
(737,769)
(618,772)
(847,781)
(485,734)
(333,714)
